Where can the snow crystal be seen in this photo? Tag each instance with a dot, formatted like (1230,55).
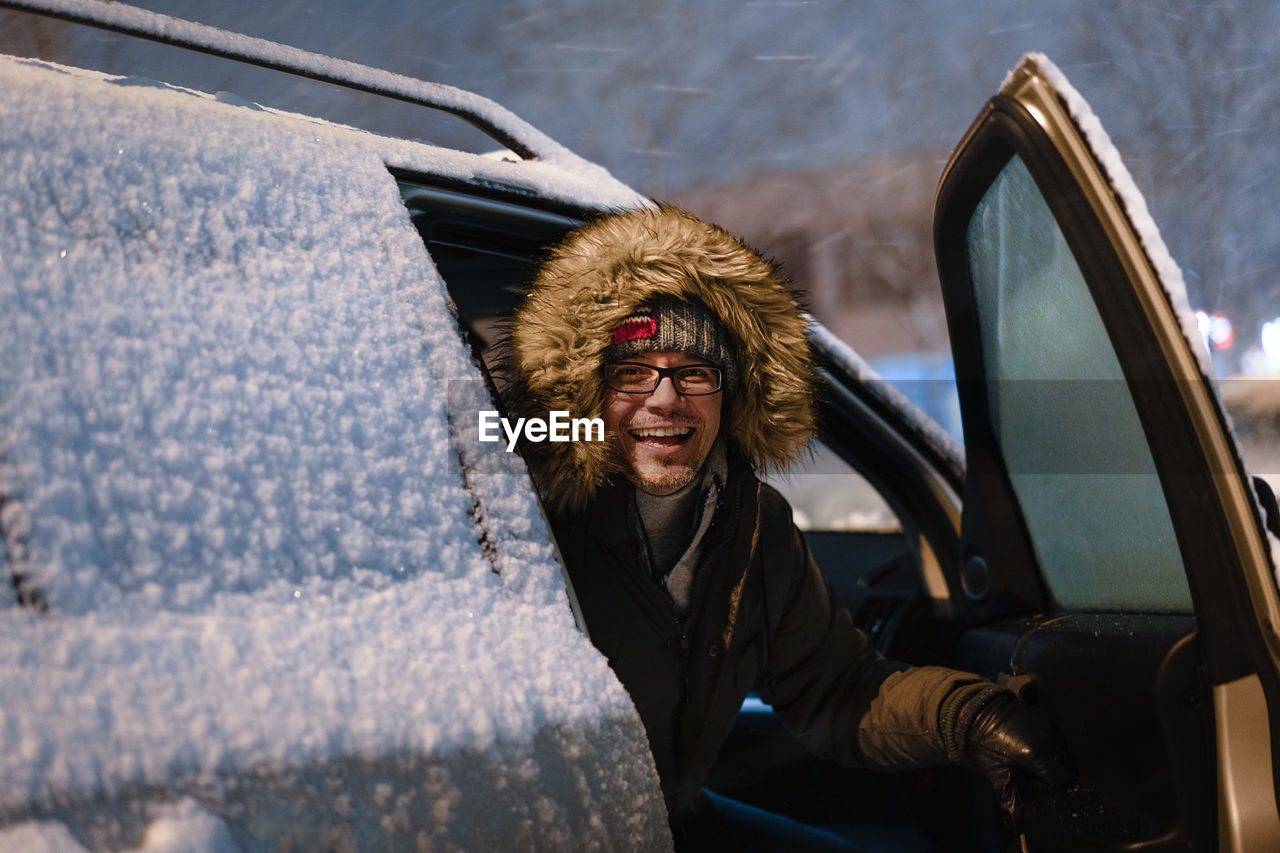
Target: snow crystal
(183,827)
(227,470)
(40,837)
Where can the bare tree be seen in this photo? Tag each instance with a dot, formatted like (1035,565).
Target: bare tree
(1202,106)
(856,239)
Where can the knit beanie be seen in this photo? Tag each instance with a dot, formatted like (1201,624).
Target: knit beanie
(667,324)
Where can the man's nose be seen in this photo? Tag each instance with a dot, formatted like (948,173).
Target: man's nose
(665,395)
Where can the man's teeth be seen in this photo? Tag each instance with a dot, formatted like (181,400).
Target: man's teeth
(662,432)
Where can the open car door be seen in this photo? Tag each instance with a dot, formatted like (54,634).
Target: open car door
(1103,492)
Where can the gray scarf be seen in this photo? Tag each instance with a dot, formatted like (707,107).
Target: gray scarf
(674,526)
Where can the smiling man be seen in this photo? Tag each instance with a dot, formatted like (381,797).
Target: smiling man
(664,429)
(664,375)
(691,576)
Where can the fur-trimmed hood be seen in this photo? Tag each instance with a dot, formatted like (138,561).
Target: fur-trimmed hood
(598,276)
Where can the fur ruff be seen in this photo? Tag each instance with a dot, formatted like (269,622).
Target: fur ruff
(597,277)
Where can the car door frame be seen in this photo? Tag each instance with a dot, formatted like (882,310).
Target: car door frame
(1039,117)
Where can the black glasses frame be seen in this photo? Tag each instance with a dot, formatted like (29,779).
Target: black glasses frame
(663,372)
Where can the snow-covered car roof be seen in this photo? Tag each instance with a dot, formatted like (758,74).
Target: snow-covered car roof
(247,558)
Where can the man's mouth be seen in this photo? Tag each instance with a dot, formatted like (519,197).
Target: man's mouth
(662,436)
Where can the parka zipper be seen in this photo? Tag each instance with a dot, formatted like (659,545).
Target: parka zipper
(684,661)
(695,596)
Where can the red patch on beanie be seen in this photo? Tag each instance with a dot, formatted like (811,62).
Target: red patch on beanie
(639,326)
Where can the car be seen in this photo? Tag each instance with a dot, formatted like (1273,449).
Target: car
(254,593)
(270,591)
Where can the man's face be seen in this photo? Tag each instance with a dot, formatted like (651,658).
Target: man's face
(663,464)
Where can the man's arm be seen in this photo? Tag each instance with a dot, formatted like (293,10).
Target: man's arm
(844,700)
(828,682)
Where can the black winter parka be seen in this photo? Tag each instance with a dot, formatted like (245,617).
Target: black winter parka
(761,617)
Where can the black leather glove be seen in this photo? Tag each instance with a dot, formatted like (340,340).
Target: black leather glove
(1009,739)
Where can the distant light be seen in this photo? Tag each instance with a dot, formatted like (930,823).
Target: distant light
(1221,333)
(1270,338)
(1216,329)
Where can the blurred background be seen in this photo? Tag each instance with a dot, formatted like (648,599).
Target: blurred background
(817,129)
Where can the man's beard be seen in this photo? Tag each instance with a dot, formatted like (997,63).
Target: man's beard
(668,481)
(658,476)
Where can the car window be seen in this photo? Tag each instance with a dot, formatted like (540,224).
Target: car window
(825,493)
(1063,416)
(927,379)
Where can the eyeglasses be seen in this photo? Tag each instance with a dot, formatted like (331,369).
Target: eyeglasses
(690,380)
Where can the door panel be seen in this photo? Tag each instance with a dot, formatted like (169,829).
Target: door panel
(1128,693)
(1103,487)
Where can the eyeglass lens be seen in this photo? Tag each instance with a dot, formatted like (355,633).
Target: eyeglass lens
(690,380)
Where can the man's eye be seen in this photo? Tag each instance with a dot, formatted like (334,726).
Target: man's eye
(696,374)
(627,372)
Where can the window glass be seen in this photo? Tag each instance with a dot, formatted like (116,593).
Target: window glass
(826,494)
(927,379)
(1063,416)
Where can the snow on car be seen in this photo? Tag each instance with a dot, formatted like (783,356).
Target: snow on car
(254,588)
